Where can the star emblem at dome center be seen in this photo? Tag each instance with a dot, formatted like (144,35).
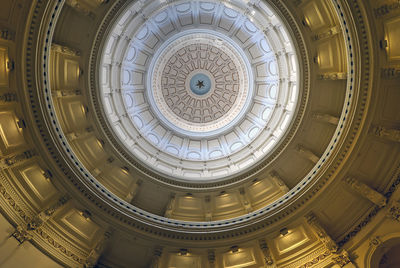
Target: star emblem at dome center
(200,84)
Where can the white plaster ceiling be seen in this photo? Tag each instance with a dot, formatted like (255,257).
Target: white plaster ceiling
(171,95)
(249,48)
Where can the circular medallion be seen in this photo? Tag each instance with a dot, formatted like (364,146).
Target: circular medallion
(200,84)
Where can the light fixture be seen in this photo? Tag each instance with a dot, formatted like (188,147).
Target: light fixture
(284,231)
(305,21)
(317,60)
(86,214)
(21,123)
(10,65)
(47,174)
(80,71)
(183,252)
(223,193)
(384,43)
(234,249)
(125,170)
(100,143)
(83,109)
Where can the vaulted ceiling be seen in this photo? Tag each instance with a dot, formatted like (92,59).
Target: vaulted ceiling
(111,157)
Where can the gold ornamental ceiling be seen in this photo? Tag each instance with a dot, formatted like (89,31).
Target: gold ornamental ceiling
(199,133)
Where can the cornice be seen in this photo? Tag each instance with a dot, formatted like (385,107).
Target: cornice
(47,240)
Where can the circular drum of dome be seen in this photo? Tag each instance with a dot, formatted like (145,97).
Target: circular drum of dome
(199,99)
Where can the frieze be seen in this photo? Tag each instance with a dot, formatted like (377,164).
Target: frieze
(386,8)
(7,197)
(23,233)
(342,259)
(43,234)
(317,260)
(394,211)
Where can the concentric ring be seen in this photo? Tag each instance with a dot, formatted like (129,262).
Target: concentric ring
(170,77)
(200,83)
(177,133)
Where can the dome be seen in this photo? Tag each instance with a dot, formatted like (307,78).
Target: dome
(205,133)
(246,103)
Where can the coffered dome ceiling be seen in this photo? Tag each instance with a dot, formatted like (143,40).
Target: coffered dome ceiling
(233,133)
(203,92)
